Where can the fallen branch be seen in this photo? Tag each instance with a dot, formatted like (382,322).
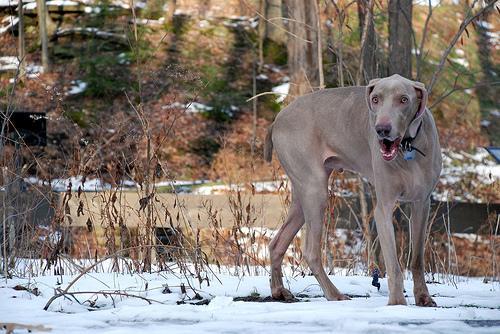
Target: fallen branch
(10,327)
(104,293)
(265,93)
(86,270)
(91,32)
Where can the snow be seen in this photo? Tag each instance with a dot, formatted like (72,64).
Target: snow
(461,61)
(149,22)
(95,9)
(8,23)
(484,24)
(274,68)
(12,3)
(203,24)
(434,3)
(87,29)
(475,168)
(485,123)
(9,63)
(30,6)
(62,3)
(77,87)
(197,107)
(123,59)
(262,77)
(282,90)
(258,187)
(494,37)
(62,185)
(192,107)
(478,163)
(216,189)
(471,307)
(241,21)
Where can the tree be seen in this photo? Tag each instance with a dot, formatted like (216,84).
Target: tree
(22,48)
(275,29)
(400,37)
(340,18)
(488,93)
(302,46)
(169,15)
(368,61)
(43,18)
(262,32)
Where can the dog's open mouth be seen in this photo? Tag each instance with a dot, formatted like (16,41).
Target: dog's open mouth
(389,148)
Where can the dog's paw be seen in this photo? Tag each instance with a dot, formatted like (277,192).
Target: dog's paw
(397,300)
(283,295)
(337,297)
(343,297)
(425,300)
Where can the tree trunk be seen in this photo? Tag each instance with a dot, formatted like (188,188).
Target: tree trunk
(400,40)
(319,46)
(487,94)
(275,29)
(361,16)
(44,38)
(302,47)
(368,68)
(172,5)
(22,48)
(262,32)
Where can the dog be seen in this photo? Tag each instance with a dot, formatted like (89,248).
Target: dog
(384,132)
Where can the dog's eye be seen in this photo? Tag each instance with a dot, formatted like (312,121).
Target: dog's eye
(404,100)
(375,99)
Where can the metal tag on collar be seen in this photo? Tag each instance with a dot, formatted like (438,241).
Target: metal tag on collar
(409,154)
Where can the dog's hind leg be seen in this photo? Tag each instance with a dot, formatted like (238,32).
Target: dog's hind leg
(279,246)
(313,198)
(419,217)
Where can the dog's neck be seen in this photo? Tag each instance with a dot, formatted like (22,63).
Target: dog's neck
(408,137)
(407,144)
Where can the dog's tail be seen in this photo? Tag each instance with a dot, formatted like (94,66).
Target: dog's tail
(268,145)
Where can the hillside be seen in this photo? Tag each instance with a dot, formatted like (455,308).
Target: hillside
(188,80)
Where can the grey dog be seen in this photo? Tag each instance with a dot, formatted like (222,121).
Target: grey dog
(382,131)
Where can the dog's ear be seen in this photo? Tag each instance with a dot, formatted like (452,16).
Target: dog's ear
(422,104)
(369,90)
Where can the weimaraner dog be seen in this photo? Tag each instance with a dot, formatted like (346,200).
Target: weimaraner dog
(383,132)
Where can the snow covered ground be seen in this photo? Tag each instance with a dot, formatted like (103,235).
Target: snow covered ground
(470,307)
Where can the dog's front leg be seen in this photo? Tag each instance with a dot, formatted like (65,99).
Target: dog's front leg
(385,231)
(419,217)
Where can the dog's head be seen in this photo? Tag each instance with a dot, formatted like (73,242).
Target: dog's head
(396,105)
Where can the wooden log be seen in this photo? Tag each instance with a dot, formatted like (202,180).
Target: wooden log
(93,33)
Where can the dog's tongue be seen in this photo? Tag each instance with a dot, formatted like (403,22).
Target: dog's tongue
(389,149)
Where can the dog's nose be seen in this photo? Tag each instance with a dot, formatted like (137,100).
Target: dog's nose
(383,130)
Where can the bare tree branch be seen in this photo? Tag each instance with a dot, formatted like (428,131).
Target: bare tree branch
(469,18)
(420,50)
(456,88)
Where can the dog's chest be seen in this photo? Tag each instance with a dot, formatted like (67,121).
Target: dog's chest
(412,181)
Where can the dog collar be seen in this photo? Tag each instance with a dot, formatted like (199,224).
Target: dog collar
(408,149)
